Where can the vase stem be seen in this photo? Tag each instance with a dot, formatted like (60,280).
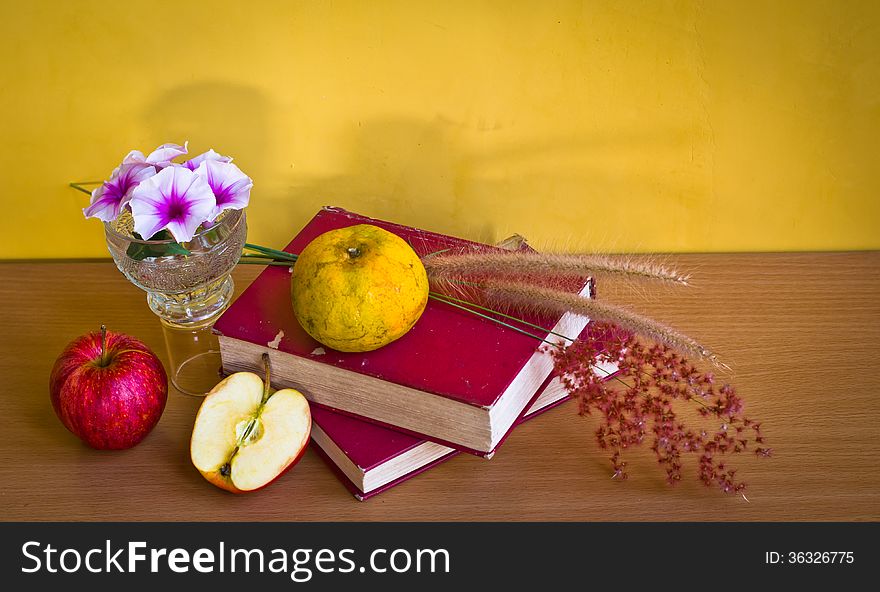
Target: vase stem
(198,306)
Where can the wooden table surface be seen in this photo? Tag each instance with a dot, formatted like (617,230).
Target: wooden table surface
(802,332)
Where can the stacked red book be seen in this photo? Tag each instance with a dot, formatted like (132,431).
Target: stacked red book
(370,459)
(455,382)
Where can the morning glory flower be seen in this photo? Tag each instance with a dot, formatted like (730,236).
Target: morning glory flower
(111,197)
(161,157)
(193,163)
(231,187)
(174,199)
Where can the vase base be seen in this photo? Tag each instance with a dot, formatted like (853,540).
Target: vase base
(194,357)
(196,376)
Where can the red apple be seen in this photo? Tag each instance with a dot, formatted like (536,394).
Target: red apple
(246,436)
(109,389)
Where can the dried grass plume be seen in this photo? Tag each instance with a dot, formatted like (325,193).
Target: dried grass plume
(459,266)
(550,301)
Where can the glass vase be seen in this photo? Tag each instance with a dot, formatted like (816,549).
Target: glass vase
(188,287)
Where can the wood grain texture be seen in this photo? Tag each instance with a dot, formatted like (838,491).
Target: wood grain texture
(800,330)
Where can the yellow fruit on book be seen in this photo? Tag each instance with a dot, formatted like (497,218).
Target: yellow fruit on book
(358,288)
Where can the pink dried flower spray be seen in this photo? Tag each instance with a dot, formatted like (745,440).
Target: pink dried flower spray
(638,406)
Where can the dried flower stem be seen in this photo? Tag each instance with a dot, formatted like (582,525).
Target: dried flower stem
(475,310)
(529,264)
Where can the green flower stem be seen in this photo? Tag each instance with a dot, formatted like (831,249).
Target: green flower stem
(265,262)
(264,257)
(79,185)
(275,254)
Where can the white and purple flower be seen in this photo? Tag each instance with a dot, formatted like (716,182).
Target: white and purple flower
(111,197)
(194,162)
(174,199)
(231,187)
(161,157)
(164,195)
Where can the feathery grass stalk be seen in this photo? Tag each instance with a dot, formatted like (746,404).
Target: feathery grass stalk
(528,264)
(549,301)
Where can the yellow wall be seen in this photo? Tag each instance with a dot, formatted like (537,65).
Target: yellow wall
(676,125)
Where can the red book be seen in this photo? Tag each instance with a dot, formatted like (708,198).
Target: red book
(455,378)
(370,459)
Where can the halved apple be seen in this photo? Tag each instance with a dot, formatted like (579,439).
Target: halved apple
(246,436)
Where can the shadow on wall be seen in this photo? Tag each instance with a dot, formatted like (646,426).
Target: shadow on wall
(231,118)
(468,180)
(464,178)
(397,169)
(404,170)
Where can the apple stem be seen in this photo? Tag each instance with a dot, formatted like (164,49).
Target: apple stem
(103,346)
(268,383)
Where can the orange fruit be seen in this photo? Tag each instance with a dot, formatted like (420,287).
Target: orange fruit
(358,288)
